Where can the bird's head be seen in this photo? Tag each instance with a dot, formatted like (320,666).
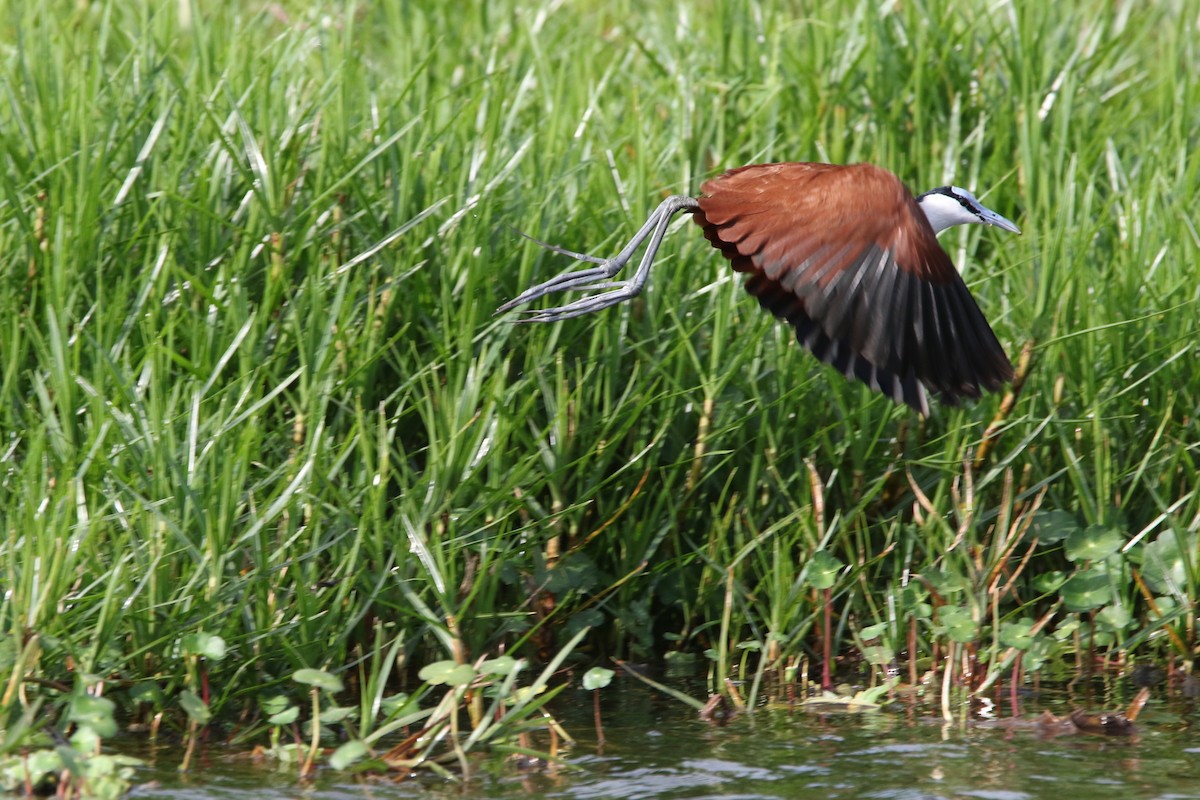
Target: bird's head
(947,206)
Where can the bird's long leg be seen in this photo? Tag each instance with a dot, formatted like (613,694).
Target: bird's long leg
(599,277)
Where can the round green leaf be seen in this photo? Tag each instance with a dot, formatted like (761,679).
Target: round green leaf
(1040,651)
(15,770)
(1164,561)
(914,599)
(873,631)
(460,675)
(319,678)
(393,703)
(913,594)
(947,583)
(921,610)
(436,672)
(348,753)
(85,740)
(274,702)
(1164,608)
(1016,634)
(524,694)
(1114,618)
(587,618)
(957,623)
(1071,627)
(330,716)
(73,760)
(504,665)
(447,673)
(290,753)
(597,678)
(1094,543)
(285,717)
(1052,526)
(146,692)
(206,645)
(1085,590)
(823,570)
(1049,582)
(95,713)
(196,709)
(878,655)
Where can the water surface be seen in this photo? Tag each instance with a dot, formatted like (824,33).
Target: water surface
(657,748)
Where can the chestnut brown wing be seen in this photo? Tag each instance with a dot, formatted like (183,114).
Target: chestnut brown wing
(847,257)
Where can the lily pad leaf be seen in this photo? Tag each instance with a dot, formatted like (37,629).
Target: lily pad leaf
(1164,561)
(393,703)
(85,740)
(319,678)
(865,700)
(348,753)
(1018,635)
(196,709)
(1094,543)
(874,631)
(1052,526)
(206,645)
(330,716)
(878,655)
(146,692)
(1115,618)
(597,678)
(945,583)
(823,570)
(504,665)
(957,623)
(34,767)
(274,703)
(1049,582)
(95,713)
(1085,590)
(447,673)
(285,717)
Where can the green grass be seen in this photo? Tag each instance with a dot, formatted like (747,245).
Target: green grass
(252,387)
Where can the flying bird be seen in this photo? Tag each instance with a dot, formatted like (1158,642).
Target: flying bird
(847,256)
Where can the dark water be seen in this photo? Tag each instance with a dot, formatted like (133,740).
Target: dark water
(657,748)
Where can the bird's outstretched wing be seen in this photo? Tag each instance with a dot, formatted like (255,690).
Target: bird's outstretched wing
(847,257)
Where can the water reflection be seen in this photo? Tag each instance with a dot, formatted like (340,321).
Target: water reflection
(658,749)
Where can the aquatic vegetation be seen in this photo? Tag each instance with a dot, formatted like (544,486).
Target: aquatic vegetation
(273,476)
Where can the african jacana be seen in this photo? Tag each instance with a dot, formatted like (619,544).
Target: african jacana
(847,256)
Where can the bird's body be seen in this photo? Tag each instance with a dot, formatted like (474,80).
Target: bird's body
(848,257)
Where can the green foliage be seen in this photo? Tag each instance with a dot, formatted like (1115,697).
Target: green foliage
(29,760)
(447,673)
(102,777)
(318,679)
(261,423)
(196,709)
(823,570)
(597,678)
